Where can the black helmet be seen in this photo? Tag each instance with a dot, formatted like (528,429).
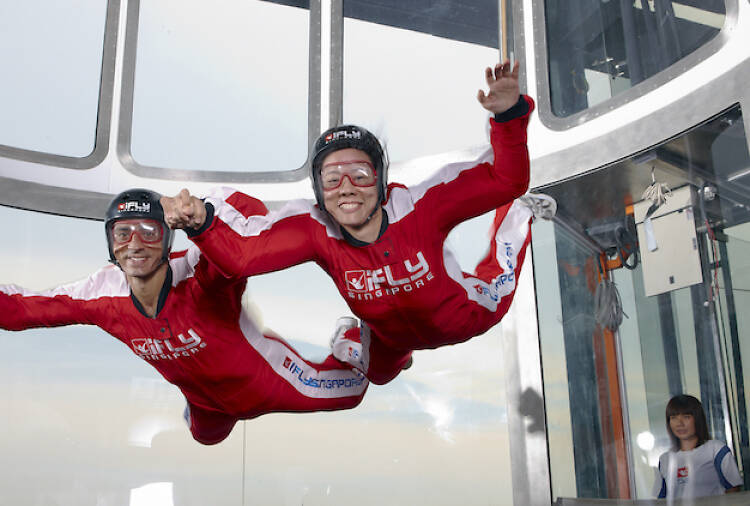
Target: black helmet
(133,204)
(348,136)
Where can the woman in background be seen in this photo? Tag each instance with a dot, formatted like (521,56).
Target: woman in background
(696,466)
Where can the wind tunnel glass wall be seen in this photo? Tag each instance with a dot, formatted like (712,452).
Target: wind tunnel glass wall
(51,55)
(412,71)
(683,288)
(221,86)
(598,49)
(84,420)
(88,422)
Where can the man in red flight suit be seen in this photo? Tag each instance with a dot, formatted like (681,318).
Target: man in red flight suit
(384,245)
(177,312)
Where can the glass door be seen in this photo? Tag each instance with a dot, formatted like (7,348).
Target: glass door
(681,272)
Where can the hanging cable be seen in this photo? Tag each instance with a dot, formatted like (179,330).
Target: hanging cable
(715,275)
(707,192)
(607,302)
(626,248)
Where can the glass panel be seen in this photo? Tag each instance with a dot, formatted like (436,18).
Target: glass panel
(49,92)
(557,387)
(733,283)
(682,331)
(96,425)
(599,49)
(221,86)
(395,51)
(443,421)
(81,414)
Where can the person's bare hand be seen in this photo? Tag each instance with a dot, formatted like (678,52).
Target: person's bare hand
(184,210)
(503,88)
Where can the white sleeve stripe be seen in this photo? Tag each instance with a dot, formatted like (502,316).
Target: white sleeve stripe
(183,267)
(402,201)
(254,225)
(107,282)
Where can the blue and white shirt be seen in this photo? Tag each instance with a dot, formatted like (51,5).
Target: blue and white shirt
(709,469)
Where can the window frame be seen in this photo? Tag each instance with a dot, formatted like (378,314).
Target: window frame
(541,65)
(125,119)
(104,108)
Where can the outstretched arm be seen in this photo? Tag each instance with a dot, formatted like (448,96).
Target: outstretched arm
(464,190)
(508,129)
(22,309)
(508,126)
(239,236)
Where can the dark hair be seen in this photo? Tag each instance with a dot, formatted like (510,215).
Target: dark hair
(687,405)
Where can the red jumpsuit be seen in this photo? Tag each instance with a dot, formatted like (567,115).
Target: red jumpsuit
(201,341)
(406,286)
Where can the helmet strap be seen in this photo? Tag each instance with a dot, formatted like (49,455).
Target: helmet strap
(374,210)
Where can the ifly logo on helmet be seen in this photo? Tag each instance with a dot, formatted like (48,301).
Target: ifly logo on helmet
(135,206)
(343,134)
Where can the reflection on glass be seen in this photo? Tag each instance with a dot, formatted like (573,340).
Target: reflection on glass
(606,392)
(153,494)
(221,86)
(411,75)
(52,61)
(598,49)
(645,441)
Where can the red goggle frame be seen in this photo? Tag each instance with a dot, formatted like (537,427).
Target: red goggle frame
(149,231)
(360,173)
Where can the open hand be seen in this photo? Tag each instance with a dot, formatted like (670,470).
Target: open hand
(503,84)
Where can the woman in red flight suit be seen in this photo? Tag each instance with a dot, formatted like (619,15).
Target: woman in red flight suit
(384,245)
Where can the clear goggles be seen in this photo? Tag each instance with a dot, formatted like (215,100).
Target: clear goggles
(149,231)
(360,173)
